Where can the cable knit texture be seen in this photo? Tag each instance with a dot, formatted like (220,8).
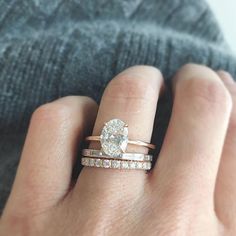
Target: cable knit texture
(50,49)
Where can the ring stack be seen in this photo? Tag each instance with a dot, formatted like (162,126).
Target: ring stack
(114,141)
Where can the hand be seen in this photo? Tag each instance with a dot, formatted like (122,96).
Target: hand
(191,190)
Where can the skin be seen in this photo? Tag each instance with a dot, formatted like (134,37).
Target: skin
(191,189)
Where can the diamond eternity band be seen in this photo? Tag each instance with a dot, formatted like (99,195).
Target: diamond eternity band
(115,164)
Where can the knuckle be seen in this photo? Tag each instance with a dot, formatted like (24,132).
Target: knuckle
(89,101)
(127,86)
(145,69)
(52,113)
(188,66)
(83,100)
(232,124)
(18,224)
(208,93)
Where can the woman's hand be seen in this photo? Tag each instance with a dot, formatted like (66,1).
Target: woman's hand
(191,190)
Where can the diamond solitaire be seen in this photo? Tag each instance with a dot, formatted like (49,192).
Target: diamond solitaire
(114,140)
(114,137)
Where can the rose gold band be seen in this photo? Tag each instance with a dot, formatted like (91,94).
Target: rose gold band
(133,142)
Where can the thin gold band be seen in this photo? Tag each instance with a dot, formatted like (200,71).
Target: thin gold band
(133,142)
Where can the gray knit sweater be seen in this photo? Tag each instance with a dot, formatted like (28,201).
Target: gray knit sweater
(50,49)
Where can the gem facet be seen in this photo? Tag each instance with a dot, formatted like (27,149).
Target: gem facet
(114,137)
(132,165)
(106,163)
(115,164)
(91,162)
(98,162)
(125,164)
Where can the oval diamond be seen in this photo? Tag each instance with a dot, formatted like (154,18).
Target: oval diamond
(114,137)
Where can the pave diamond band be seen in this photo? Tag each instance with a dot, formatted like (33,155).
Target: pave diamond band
(123,156)
(115,164)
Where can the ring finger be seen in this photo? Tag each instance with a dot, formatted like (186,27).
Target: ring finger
(132,97)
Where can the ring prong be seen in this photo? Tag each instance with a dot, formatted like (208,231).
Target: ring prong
(126,125)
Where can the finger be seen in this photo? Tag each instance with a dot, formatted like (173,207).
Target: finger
(132,97)
(44,173)
(225,193)
(190,156)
